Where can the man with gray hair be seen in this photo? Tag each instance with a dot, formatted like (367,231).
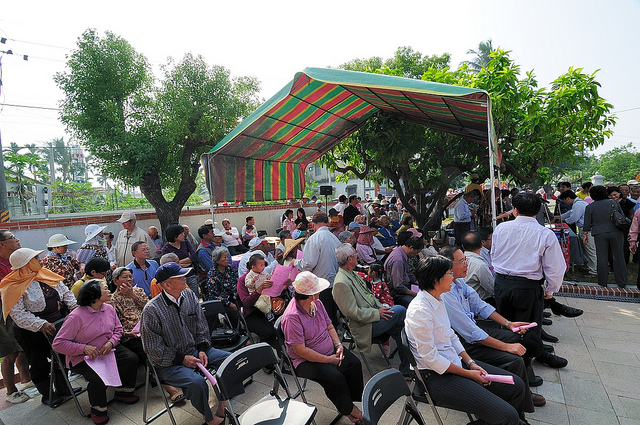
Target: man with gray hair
(367,317)
(175,336)
(129,234)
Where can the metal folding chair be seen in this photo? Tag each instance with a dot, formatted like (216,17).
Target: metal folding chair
(382,391)
(151,370)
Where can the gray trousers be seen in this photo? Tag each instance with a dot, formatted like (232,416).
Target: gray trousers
(611,241)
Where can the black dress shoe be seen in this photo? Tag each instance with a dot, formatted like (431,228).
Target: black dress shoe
(536,382)
(548,338)
(546,314)
(565,310)
(552,360)
(548,348)
(547,322)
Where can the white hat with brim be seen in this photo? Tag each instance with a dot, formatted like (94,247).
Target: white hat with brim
(218,232)
(59,240)
(92,230)
(255,242)
(307,283)
(126,216)
(21,257)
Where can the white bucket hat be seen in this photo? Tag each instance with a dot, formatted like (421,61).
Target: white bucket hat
(59,240)
(92,230)
(21,257)
(307,283)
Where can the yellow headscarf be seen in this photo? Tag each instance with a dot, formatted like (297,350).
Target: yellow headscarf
(15,283)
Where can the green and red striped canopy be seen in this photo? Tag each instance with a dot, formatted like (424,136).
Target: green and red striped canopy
(265,156)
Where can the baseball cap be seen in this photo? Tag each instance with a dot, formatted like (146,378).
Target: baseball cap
(126,216)
(169,270)
(255,242)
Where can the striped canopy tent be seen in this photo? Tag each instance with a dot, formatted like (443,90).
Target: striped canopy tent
(265,156)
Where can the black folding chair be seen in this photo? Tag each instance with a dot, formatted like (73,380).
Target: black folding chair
(57,360)
(382,391)
(270,410)
(225,336)
(418,386)
(151,370)
(349,340)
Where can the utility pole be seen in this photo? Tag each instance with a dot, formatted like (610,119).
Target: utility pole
(4,203)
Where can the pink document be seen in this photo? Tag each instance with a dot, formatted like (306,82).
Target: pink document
(106,368)
(279,277)
(530,325)
(136,328)
(505,379)
(299,255)
(207,375)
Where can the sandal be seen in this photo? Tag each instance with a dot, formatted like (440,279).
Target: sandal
(177,397)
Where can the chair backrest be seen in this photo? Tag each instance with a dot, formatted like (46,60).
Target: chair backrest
(407,349)
(382,391)
(241,365)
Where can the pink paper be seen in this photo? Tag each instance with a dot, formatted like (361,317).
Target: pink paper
(106,368)
(278,277)
(505,379)
(530,325)
(207,375)
(415,288)
(136,328)
(299,255)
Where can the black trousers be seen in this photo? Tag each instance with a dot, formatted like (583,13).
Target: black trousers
(258,324)
(460,229)
(342,384)
(135,346)
(127,362)
(522,300)
(495,404)
(37,350)
(605,242)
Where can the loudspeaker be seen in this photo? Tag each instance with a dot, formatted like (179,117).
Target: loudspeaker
(326,190)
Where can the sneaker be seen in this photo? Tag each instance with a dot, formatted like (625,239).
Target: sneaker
(17,397)
(22,387)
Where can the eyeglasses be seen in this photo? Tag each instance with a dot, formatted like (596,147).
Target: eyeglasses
(12,237)
(449,273)
(462,261)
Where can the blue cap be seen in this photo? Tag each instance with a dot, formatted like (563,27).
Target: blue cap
(169,270)
(354,225)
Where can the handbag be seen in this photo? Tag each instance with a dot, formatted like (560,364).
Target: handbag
(619,220)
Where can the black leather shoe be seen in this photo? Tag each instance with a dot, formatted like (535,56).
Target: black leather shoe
(548,348)
(552,360)
(537,381)
(549,338)
(565,310)
(538,400)
(546,314)
(547,322)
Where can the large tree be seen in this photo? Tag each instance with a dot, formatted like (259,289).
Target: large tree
(144,132)
(536,129)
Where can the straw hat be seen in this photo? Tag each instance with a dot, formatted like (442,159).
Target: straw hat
(92,230)
(290,244)
(21,257)
(59,240)
(307,283)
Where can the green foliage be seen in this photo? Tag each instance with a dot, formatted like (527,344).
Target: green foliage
(618,165)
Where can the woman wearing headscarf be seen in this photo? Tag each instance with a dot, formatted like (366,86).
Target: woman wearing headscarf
(315,349)
(365,247)
(93,330)
(58,261)
(35,298)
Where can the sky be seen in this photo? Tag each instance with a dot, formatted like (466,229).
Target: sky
(273,40)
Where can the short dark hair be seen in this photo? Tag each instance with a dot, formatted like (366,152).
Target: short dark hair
(567,194)
(527,204)
(485,232)
(204,230)
(342,198)
(173,231)
(516,190)
(378,268)
(564,184)
(96,264)
(249,218)
(402,237)
(611,189)
(472,194)
(504,193)
(598,193)
(253,260)
(448,251)
(414,243)
(587,185)
(90,292)
(430,269)
(471,241)
(320,217)
(135,245)
(3,234)
(353,198)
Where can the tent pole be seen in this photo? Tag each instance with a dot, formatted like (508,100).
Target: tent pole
(491,170)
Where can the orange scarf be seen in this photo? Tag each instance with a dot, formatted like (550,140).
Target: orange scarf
(15,283)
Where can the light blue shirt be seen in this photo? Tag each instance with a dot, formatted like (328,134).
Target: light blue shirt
(461,212)
(463,304)
(319,255)
(576,213)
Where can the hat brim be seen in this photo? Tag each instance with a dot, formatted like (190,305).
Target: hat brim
(295,244)
(182,273)
(26,261)
(95,233)
(322,285)
(63,243)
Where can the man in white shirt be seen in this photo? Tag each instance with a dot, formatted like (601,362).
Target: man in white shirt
(529,267)
(342,204)
(258,246)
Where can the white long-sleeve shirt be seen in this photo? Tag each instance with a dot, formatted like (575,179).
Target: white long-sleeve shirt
(524,248)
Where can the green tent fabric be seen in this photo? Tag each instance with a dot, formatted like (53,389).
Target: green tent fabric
(265,156)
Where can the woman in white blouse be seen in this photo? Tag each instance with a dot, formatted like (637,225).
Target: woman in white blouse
(440,356)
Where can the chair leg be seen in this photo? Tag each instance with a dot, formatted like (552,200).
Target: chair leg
(55,358)
(168,405)
(384,355)
(366,363)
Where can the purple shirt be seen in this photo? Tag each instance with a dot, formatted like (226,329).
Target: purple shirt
(398,274)
(85,326)
(299,327)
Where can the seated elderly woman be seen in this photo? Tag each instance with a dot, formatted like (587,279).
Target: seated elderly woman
(93,330)
(177,244)
(128,301)
(367,251)
(221,283)
(35,298)
(58,261)
(440,355)
(315,349)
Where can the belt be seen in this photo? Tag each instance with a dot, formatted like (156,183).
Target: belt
(519,278)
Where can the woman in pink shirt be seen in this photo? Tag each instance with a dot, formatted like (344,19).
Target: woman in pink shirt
(90,331)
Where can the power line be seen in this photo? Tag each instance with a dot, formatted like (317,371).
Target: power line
(626,110)
(36,44)
(29,107)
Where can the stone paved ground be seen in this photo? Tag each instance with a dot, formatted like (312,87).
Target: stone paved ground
(599,386)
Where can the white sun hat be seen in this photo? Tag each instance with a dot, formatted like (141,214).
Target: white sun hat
(59,240)
(21,257)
